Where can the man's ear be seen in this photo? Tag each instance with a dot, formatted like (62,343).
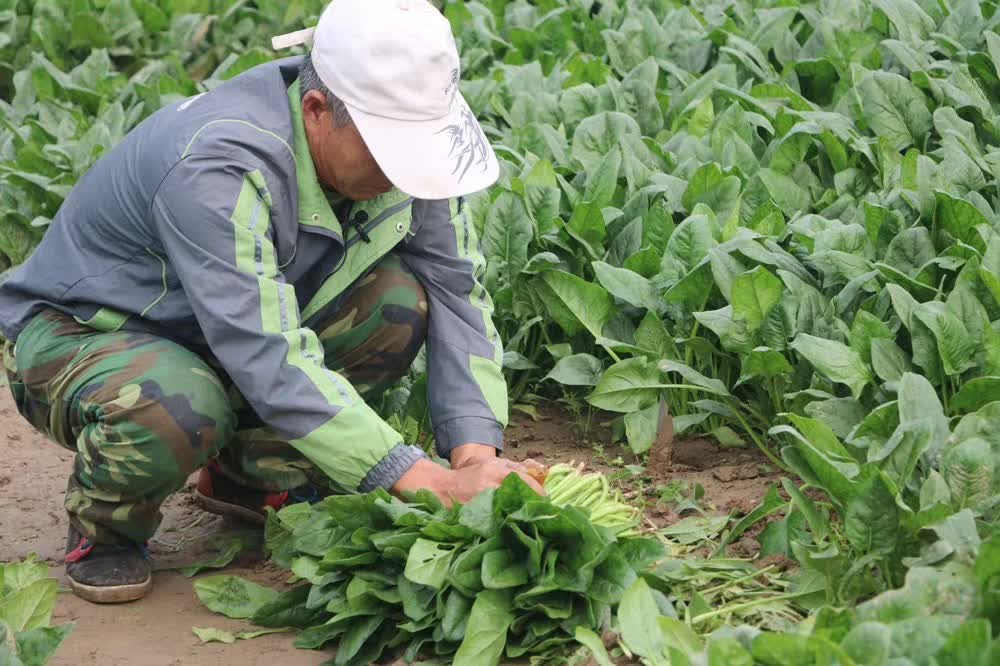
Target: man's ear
(314,107)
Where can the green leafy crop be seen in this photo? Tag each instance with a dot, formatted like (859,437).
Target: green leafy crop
(27,599)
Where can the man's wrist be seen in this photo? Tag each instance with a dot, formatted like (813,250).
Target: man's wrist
(424,475)
(468,453)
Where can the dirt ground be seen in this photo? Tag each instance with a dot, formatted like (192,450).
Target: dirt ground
(156,631)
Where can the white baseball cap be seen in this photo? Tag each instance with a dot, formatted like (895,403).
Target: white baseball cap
(395,66)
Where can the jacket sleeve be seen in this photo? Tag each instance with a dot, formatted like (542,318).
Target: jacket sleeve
(213,217)
(466,388)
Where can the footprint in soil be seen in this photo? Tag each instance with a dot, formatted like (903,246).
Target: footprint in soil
(736,472)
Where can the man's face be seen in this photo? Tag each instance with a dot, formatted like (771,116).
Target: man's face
(343,161)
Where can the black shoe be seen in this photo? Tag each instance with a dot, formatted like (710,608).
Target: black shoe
(107,573)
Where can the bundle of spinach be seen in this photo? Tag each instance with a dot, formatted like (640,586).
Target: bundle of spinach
(510,573)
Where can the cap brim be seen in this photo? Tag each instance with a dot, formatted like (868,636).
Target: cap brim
(431,159)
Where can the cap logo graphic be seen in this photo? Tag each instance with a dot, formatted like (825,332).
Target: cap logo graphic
(452,86)
(468,144)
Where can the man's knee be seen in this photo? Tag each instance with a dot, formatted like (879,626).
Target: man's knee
(160,428)
(400,317)
(379,326)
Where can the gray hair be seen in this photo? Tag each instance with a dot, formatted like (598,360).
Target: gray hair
(309,80)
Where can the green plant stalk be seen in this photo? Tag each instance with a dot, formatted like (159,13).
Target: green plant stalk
(737,581)
(747,605)
(760,444)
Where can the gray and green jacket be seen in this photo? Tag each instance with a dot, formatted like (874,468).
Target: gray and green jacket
(207,225)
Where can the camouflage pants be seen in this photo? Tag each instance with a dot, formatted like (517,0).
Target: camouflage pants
(143,412)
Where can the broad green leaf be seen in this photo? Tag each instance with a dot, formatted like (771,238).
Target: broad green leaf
(898,456)
(888,360)
(690,242)
(486,633)
(869,643)
(641,428)
(733,334)
(637,621)
(725,269)
(593,642)
(626,244)
(507,233)
(18,575)
(866,329)
(37,646)
(213,635)
(834,360)
(970,470)
(709,186)
(587,225)
(789,195)
(829,463)
(763,362)
(892,107)
(989,271)
(652,336)
(679,637)
(603,180)
(754,295)
(577,370)
(428,563)
(228,551)
(30,607)
(233,596)
(934,490)
(692,376)
(969,645)
(628,286)
(589,303)
(910,251)
(627,386)
(872,520)
(477,514)
(502,570)
(817,521)
(955,346)
(843,415)
(918,400)
(976,394)
(597,135)
(960,218)
(968,309)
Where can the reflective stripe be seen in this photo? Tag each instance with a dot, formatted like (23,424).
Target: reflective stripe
(279,314)
(201,129)
(105,320)
(163,277)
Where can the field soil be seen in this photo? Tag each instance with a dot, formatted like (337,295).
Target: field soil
(156,631)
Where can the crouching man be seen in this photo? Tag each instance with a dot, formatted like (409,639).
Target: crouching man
(224,289)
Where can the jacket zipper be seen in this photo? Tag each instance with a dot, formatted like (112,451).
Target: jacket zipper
(349,242)
(389,212)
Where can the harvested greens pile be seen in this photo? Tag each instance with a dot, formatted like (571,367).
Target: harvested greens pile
(508,573)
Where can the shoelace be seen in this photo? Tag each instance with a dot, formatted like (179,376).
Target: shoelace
(86,546)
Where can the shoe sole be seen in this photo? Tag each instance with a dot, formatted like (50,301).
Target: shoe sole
(227,509)
(111,594)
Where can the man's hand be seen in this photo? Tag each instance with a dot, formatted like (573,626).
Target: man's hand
(467,454)
(461,484)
